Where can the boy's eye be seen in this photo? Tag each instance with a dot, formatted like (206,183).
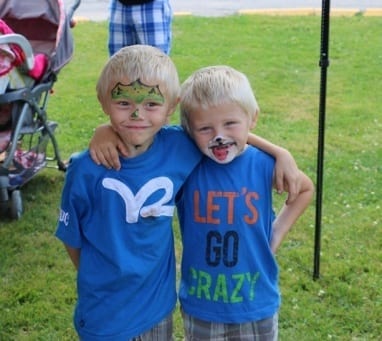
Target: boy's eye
(122,103)
(151,104)
(230,123)
(203,129)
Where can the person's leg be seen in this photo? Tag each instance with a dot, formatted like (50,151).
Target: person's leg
(120,30)
(161,332)
(153,24)
(263,330)
(198,330)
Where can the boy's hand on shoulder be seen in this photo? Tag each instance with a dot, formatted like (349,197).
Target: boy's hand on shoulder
(105,146)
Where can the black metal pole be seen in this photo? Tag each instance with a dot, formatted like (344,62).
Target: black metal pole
(324,63)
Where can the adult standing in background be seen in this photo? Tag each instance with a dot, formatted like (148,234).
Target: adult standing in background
(146,22)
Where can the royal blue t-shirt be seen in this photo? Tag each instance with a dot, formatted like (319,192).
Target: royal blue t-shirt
(229,274)
(122,223)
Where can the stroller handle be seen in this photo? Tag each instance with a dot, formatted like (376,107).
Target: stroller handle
(73,8)
(23,43)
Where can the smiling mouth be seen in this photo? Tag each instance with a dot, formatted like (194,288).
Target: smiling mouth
(221,151)
(136,127)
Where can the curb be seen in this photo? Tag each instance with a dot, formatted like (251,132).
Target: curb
(314,11)
(367,12)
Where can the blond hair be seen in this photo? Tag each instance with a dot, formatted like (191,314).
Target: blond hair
(146,63)
(215,85)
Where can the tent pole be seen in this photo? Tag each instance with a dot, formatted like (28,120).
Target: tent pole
(324,63)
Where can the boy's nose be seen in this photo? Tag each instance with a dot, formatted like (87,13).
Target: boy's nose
(218,139)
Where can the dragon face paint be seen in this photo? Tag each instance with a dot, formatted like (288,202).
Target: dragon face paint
(137,92)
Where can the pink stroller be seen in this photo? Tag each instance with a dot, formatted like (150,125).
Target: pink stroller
(35,44)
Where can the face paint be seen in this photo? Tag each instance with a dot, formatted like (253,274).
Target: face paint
(135,114)
(137,92)
(222,150)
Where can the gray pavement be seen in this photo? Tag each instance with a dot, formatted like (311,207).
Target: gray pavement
(98,9)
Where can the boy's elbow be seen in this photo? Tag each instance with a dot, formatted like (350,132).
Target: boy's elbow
(308,188)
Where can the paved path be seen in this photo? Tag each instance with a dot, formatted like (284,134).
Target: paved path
(98,9)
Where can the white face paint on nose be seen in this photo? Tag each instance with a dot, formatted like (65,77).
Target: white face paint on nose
(218,139)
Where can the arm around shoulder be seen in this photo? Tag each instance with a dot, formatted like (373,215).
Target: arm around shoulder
(287,174)
(292,211)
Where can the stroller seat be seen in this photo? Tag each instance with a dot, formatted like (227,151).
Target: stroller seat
(18,65)
(19,68)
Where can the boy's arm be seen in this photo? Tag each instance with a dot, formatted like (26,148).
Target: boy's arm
(291,212)
(105,147)
(287,174)
(74,255)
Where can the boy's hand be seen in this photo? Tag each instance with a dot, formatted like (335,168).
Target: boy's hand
(105,147)
(287,175)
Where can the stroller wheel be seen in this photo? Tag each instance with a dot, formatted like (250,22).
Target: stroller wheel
(16,205)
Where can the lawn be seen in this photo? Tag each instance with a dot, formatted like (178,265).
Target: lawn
(280,55)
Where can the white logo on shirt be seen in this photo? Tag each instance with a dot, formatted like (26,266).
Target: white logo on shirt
(134,204)
(64,217)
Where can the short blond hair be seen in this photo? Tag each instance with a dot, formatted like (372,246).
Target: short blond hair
(146,63)
(214,85)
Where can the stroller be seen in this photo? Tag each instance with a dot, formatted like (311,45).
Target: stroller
(35,43)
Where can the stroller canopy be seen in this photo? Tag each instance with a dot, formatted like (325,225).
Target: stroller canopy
(44,24)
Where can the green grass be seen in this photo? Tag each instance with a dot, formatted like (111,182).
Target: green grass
(280,56)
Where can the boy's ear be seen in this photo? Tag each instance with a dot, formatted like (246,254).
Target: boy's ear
(254,120)
(105,111)
(103,105)
(172,109)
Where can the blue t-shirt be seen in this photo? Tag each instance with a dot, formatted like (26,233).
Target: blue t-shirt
(122,222)
(229,274)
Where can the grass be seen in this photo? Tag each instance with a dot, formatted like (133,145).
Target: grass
(280,56)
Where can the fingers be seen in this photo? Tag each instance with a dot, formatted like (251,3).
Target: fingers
(113,158)
(107,157)
(294,188)
(279,181)
(94,156)
(292,194)
(290,183)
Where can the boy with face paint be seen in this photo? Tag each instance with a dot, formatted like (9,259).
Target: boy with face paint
(116,225)
(229,289)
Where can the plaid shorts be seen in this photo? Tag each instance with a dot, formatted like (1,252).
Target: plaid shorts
(149,24)
(160,332)
(198,330)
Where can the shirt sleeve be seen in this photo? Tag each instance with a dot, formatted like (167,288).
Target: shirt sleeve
(74,204)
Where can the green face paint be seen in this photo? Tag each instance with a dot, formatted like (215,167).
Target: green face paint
(135,114)
(137,92)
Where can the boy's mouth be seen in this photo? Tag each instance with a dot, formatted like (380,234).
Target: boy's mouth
(221,151)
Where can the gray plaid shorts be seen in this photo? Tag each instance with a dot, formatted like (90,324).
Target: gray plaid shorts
(160,332)
(198,330)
